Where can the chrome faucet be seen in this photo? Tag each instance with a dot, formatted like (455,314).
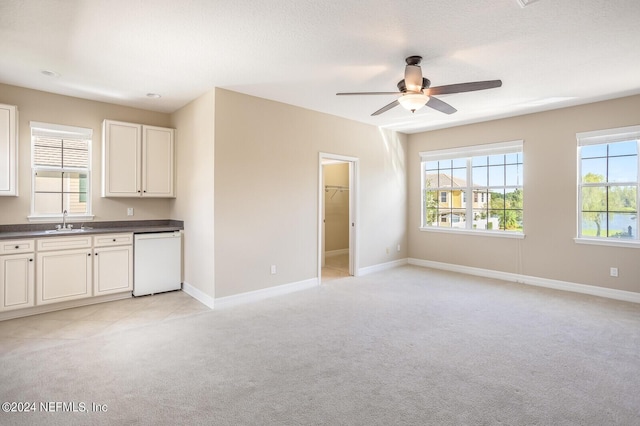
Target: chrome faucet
(64,219)
(64,226)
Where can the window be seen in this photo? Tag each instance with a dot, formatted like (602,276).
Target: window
(608,184)
(490,175)
(60,161)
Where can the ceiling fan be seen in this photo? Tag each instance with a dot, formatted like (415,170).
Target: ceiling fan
(415,91)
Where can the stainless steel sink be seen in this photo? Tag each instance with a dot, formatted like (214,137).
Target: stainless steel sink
(64,231)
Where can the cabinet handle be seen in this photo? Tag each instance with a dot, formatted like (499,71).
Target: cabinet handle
(88,254)
(17,247)
(30,260)
(114,240)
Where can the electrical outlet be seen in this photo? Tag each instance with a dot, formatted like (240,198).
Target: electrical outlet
(273,269)
(387,250)
(398,247)
(613,272)
(130,211)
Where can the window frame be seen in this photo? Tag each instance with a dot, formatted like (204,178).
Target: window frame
(60,131)
(467,153)
(604,137)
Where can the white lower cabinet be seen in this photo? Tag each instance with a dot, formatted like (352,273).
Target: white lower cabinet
(63,275)
(17,268)
(69,268)
(16,277)
(112,270)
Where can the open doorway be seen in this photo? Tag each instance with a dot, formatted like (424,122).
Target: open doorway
(337,227)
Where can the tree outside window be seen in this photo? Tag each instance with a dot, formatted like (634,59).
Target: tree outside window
(608,188)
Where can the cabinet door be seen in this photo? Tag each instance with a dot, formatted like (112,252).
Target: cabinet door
(8,150)
(112,270)
(16,281)
(121,151)
(157,162)
(63,275)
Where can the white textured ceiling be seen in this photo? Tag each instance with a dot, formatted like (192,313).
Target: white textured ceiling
(550,54)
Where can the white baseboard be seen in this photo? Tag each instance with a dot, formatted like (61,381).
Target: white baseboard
(198,294)
(609,293)
(254,296)
(332,253)
(381,267)
(42,309)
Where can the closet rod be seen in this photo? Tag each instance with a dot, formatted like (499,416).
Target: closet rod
(338,187)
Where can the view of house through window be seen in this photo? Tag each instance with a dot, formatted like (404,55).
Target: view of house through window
(491,176)
(608,183)
(61,170)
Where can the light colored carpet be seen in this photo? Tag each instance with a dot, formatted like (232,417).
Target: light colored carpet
(407,346)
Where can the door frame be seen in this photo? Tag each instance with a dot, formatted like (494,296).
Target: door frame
(353,209)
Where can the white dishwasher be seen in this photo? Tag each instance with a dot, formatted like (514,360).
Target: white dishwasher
(157,262)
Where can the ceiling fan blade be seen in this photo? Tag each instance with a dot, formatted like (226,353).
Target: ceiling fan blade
(463,87)
(386,108)
(439,105)
(368,93)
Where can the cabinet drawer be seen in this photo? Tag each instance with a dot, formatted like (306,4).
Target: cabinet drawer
(63,243)
(112,240)
(16,246)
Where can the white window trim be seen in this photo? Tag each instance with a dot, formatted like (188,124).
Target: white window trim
(58,217)
(607,241)
(60,130)
(618,134)
(471,151)
(475,232)
(508,147)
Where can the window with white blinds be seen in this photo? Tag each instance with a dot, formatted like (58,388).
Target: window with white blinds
(61,165)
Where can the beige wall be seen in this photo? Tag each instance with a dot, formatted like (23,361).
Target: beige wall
(259,159)
(266,190)
(550,219)
(45,107)
(336,207)
(194,204)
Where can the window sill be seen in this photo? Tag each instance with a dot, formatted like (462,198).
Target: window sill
(608,242)
(58,218)
(475,232)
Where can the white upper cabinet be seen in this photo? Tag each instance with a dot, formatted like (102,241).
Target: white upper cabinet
(121,159)
(137,160)
(8,150)
(157,162)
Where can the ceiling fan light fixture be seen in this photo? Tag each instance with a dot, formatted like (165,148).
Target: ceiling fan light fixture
(413,101)
(413,78)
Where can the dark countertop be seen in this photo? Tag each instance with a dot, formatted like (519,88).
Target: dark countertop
(22,231)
